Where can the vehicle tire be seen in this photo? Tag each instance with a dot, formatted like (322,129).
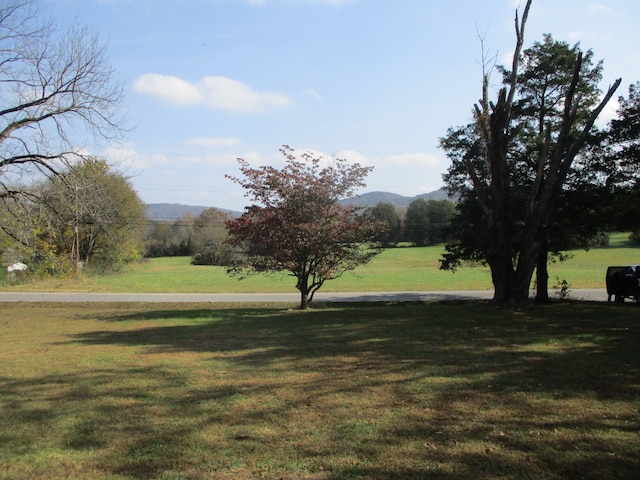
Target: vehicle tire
(619,299)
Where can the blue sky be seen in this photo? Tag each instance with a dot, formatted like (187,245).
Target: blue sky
(374,81)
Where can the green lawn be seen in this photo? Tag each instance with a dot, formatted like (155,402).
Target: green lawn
(399,269)
(400,391)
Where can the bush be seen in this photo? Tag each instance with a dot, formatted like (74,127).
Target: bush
(215,255)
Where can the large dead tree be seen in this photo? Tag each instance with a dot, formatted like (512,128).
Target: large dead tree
(512,270)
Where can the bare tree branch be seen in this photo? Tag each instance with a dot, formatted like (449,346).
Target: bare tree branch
(57,91)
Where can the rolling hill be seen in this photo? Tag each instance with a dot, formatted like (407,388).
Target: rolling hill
(399,201)
(172,211)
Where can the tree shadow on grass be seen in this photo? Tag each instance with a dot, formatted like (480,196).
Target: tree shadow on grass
(356,391)
(500,355)
(66,416)
(564,348)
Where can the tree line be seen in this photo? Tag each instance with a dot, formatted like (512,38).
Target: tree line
(88,215)
(422,223)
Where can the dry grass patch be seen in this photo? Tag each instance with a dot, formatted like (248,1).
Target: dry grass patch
(455,391)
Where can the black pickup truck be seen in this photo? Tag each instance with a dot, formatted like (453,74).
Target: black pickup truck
(623,282)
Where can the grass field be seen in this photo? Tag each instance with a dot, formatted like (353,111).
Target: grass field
(398,391)
(399,269)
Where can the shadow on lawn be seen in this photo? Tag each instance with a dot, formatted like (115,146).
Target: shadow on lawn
(100,413)
(453,391)
(500,356)
(565,349)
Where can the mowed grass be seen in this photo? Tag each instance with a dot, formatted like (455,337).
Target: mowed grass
(370,391)
(398,269)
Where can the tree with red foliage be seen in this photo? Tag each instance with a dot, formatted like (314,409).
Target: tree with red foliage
(296,223)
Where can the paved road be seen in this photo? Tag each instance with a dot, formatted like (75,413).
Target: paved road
(589,295)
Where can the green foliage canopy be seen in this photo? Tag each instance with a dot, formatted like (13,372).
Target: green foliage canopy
(387,215)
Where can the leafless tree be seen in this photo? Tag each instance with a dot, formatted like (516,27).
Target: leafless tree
(57,91)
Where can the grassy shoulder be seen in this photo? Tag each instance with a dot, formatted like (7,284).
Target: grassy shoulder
(397,269)
(394,391)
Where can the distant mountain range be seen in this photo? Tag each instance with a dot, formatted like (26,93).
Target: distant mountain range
(371,199)
(173,211)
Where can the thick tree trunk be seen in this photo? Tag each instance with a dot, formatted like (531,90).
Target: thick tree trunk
(511,283)
(527,261)
(304,300)
(501,263)
(501,266)
(500,275)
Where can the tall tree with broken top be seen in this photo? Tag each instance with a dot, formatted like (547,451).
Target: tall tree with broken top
(515,240)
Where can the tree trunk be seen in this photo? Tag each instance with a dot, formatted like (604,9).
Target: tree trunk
(502,271)
(303,287)
(542,273)
(304,300)
(499,260)
(500,278)
(528,256)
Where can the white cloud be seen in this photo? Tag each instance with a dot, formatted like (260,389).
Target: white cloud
(256,159)
(425,159)
(352,156)
(169,88)
(326,160)
(226,93)
(217,160)
(142,161)
(215,142)
(215,92)
(119,153)
(126,157)
(313,93)
(599,9)
(172,168)
(609,112)
(220,160)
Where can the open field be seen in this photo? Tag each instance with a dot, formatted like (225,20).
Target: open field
(398,391)
(399,269)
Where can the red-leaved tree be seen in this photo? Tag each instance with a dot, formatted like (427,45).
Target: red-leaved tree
(296,224)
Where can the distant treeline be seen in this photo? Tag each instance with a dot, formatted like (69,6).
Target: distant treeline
(423,222)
